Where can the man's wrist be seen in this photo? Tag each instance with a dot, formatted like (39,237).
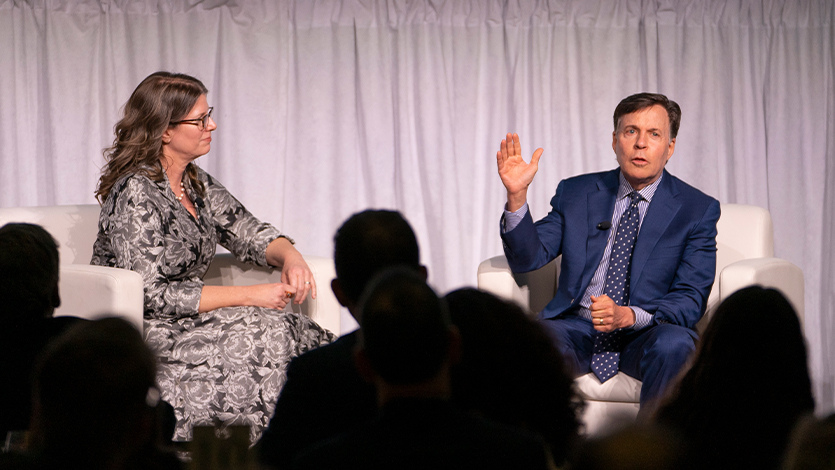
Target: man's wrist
(631,315)
(643,318)
(516,200)
(510,220)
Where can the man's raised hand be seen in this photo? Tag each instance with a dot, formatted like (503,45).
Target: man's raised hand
(516,175)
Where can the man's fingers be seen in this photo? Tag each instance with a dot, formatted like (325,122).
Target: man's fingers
(508,140)
(536,155)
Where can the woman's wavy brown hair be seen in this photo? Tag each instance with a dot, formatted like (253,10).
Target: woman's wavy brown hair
(160,99)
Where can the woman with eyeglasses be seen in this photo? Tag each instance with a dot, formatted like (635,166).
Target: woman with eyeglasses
(222,350)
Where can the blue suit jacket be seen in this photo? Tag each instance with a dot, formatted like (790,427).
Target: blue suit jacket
(673,263)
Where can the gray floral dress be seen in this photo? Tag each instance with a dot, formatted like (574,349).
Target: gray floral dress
(223,367)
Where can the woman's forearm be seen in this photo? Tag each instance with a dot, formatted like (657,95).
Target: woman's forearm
(279,250)
(213,297)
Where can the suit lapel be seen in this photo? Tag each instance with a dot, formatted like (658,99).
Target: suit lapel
(601,205)
(661,211)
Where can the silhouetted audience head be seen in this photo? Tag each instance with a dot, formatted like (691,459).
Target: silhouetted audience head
(405,332)
(748,384)
(366,243)
(407,346)
(510,370)
(28,272)
(94,397)
(631,448)
(28,297)
(812,445)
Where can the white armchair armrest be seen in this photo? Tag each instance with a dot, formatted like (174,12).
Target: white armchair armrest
(96,291)
(773,273)
(532,290)
(325,310)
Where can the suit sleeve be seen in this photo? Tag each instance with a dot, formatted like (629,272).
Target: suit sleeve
(529,246)
(686,300)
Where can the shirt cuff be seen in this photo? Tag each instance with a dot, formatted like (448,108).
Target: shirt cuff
(642,318)
(512,219)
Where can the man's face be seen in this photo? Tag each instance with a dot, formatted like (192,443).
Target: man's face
(642,144)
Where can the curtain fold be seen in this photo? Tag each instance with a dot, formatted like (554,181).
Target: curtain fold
(328,107)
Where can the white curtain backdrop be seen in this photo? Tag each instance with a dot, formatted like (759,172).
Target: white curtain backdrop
(329,107)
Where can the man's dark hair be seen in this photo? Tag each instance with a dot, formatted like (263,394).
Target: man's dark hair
(405,327)
(368,242)
(641,101)
(90,386)
(28,271)
(510,370)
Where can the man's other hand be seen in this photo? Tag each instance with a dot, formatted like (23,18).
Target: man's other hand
(606,316)
(515,173)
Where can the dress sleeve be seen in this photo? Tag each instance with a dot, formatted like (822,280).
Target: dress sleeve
(136,229)
(238,230)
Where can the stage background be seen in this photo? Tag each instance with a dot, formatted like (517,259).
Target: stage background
(328,107)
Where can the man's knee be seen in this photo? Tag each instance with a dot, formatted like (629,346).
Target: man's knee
(671,342)
(571,340)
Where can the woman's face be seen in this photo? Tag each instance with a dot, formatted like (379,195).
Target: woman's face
(188,140)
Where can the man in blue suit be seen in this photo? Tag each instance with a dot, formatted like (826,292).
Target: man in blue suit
(640,320)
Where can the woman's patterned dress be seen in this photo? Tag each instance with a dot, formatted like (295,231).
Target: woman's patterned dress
(223,367)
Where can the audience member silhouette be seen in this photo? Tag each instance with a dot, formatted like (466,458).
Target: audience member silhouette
(29,271)
(324,394)
(634,447)
(510,371)
(747,387)
(94,401)
(407,347)
(812,445)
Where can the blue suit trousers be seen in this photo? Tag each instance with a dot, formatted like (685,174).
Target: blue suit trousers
(654,355)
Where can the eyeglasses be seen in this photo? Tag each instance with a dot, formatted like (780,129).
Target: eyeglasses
(200,122)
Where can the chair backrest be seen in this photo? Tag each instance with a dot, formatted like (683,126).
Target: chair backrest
(74,227)
(743,232)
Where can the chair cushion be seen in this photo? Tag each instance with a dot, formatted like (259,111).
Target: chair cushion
(620,388)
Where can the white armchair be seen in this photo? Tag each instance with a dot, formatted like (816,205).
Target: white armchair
(745,250)
(92,291)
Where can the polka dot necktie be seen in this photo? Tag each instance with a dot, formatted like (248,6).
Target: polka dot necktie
(607,346)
